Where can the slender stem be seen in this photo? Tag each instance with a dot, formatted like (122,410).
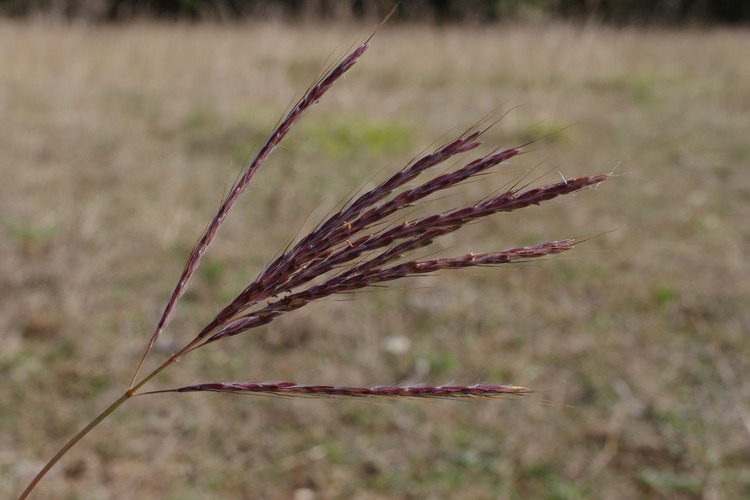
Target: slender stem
(91,425)
(73,441)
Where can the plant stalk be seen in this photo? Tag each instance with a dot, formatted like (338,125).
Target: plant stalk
(130,393)
(73,442)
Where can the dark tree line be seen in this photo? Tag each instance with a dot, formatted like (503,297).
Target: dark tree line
(618,12)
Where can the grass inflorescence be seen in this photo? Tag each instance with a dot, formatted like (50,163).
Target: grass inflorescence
(373,239)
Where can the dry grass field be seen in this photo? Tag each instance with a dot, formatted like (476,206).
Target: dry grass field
(117,143)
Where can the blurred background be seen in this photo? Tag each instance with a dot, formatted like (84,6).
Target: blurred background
(124,122)
(662,12)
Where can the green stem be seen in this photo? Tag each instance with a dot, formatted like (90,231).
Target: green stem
(73,441)
(106,413)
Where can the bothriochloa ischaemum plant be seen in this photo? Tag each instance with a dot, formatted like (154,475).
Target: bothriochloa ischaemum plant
(372,240)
